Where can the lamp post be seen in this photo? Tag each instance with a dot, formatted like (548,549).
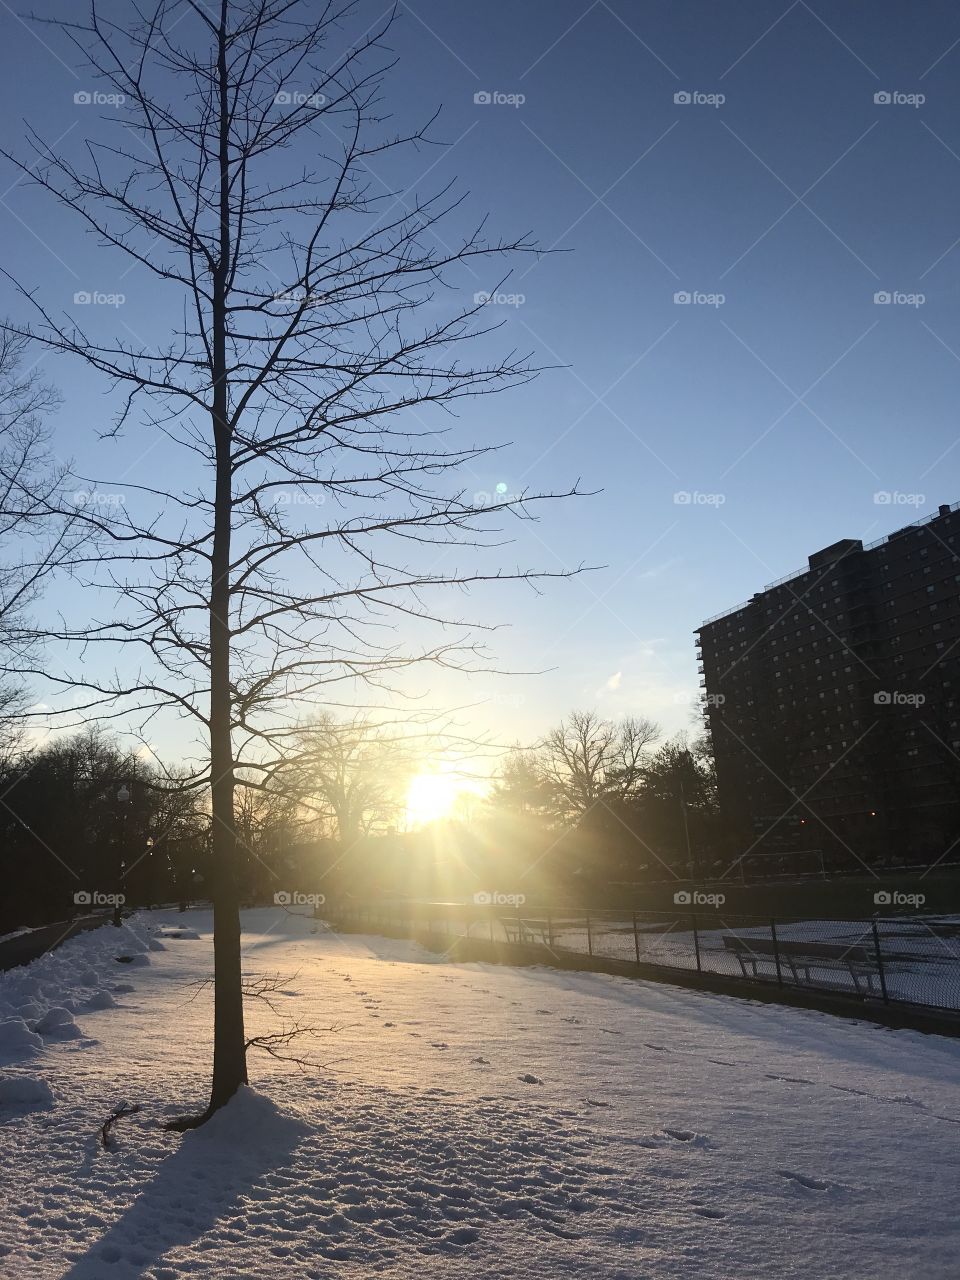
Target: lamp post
(123,797)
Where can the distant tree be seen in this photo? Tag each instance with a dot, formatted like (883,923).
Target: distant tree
(65,829)
(31,544)
(678,801)
(586,760)
(519,785)
(353,775)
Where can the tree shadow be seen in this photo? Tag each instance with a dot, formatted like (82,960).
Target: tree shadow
(200,1183)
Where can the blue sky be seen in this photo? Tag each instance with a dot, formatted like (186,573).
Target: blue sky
(782,399)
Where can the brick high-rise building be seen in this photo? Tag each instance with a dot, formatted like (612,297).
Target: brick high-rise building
(833,699)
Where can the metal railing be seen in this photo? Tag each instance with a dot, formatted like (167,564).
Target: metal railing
(908,960)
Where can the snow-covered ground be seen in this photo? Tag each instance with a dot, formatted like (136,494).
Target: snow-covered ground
(470,1120)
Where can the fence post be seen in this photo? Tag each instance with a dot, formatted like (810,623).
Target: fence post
(550,930)
(589,938)
(776,952)
(882,975)
(696,941)
(636,938)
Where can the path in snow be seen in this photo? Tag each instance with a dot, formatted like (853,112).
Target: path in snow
(471,1120)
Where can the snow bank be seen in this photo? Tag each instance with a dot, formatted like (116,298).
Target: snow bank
(41,1001)
(25,1091)
(249,1125)
(17,1040)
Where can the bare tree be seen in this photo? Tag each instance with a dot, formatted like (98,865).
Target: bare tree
(587,759)
(31,546)
(320,324)
(353,774)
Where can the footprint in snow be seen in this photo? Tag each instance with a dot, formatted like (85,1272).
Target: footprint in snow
(812,1184)
(438,1044)
(708,1213)
(680,1135)
(595,1102)
(660,1048)
(575,1021)
(484,1062)
(607,1032)
(389,1024)
(545,1012)
(527,1078)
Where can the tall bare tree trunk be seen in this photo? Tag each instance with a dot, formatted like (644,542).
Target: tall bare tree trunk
(229,1046)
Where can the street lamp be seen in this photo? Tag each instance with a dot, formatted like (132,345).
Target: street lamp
(123,796)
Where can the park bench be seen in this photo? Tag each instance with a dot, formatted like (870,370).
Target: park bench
(859,961)
(525,930)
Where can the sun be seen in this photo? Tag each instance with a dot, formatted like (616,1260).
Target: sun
(430,797)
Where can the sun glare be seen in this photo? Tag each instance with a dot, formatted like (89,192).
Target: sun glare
(431,796)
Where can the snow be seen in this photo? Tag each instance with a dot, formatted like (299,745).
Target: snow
(18,1090)
(469,1119)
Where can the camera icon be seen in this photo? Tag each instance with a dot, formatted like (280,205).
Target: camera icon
(82,298)
(683,498)
(82,899)
(283,98)
(682,98)
(883,98)
(483,898)
(483,98)
(282,899)
(83,98)
(481,298)
(882,298)
(682,298)
(882,898)
(682,898)
(882,698)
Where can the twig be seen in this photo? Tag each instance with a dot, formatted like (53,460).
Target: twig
(116,1114)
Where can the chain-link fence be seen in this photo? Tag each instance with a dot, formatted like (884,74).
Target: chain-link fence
(910,960)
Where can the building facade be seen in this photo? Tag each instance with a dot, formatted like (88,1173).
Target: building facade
(833,701)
